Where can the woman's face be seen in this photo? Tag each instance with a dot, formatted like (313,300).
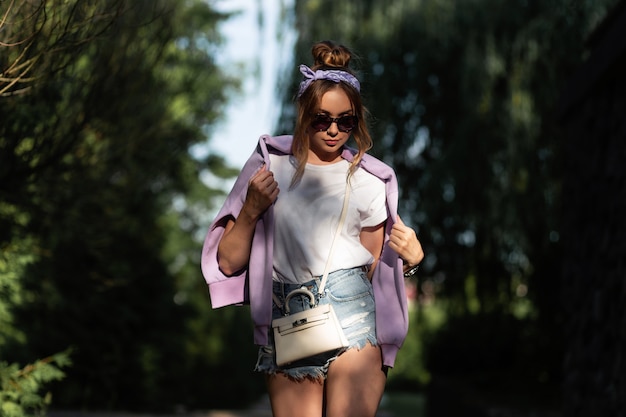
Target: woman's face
(325,146)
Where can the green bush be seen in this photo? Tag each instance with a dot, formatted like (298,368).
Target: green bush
(21,389)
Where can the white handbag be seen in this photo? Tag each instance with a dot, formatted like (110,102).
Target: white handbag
(315,330)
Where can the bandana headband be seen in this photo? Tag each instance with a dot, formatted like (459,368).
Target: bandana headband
(331,75)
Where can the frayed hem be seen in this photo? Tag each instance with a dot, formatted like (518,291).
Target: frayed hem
(298,372)
(303,372)
(361,344)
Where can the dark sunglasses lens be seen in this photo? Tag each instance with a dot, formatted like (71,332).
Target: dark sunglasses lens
(346,123)
(321,122)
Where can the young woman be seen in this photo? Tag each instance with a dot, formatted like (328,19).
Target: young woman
(274,232)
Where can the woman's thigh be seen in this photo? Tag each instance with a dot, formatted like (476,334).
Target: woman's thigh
(290,397)
(355,383)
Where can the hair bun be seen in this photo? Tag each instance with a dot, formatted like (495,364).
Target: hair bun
(327,54)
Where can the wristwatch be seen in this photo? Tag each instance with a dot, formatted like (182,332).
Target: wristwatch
(412,271)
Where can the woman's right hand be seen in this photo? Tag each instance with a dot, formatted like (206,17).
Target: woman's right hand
(262,192)
(234,248)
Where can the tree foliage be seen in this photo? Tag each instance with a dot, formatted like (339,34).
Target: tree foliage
(101,203)
(21,388)
(36,34)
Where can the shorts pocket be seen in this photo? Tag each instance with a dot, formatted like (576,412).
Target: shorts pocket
(350,286)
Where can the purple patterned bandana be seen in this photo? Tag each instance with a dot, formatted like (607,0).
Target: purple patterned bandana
(332,75)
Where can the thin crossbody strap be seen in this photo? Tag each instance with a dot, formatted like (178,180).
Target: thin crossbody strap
(342,219)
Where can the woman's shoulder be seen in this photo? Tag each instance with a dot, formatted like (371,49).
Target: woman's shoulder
(377,167)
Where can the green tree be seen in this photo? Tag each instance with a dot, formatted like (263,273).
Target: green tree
(101,202)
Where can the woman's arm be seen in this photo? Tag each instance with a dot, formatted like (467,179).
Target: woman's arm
(372,239)
(234,248)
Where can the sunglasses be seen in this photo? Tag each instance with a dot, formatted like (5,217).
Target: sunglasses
(322,122)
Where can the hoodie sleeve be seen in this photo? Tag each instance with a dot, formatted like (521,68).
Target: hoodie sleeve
(392,319)
(227,290)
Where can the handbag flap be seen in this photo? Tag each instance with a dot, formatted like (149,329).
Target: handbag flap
(302,320)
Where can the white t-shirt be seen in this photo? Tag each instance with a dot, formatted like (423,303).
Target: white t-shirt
(306,218)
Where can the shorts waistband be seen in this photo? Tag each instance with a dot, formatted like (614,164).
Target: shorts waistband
(312,283)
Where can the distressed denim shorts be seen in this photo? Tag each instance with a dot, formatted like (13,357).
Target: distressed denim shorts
(352,297)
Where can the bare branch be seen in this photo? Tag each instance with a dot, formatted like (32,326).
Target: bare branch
(33,32)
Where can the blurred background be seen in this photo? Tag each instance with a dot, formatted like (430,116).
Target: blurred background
(123,124)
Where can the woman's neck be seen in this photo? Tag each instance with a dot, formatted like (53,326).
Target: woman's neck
(326,159)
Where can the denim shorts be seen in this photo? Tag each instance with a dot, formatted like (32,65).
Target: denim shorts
(352,297)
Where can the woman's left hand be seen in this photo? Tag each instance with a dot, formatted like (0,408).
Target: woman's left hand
(404,241)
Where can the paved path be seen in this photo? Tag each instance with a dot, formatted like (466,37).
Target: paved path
(253,412)
(261,409)
(214,413)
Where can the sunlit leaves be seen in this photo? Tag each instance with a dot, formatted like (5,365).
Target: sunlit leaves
(92,155)
(22,390)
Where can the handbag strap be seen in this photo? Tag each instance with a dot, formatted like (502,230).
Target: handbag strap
(342,219)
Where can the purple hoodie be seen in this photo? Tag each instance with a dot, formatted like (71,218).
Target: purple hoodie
(254,284)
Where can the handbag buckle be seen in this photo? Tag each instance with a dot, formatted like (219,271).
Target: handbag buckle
(300,322)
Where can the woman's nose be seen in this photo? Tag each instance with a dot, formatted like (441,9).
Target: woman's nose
(333,130)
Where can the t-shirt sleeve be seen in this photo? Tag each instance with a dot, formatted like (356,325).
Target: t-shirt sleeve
(377,210)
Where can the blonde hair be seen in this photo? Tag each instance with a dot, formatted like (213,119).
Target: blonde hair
(327,56)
